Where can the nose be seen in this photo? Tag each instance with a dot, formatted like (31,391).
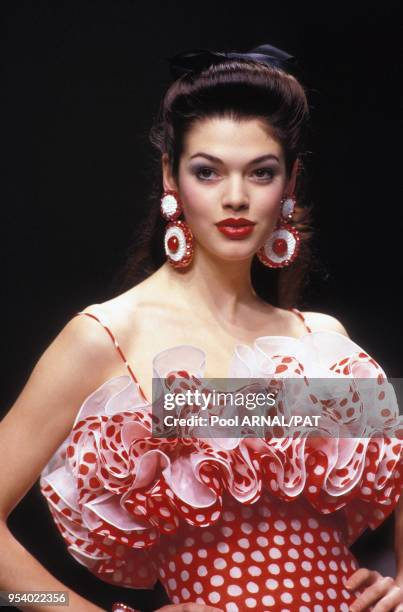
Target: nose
(235,197)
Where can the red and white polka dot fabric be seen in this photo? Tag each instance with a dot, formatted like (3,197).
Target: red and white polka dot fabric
(252,523)
(270,555)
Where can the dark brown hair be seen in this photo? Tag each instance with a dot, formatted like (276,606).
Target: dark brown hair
(240,89)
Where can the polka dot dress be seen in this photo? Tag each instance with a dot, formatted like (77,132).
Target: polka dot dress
(268,556)
(262,526)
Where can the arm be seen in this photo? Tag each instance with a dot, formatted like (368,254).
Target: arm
(399,540)
(382,586)
(319,321)
(72,366)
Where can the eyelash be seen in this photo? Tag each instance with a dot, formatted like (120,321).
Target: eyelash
(198,170)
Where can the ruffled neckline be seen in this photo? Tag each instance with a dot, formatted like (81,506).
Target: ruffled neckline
(113,486)
(247,360)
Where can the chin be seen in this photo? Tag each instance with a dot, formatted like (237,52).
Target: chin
(235,254)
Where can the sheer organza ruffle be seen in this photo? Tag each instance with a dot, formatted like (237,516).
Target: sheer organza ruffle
(113,489)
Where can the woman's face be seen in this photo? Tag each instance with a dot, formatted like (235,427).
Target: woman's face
(231,170)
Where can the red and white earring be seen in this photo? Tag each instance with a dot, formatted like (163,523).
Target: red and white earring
(178,238)
(282,246)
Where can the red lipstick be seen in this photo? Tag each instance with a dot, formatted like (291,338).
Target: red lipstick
(235,228)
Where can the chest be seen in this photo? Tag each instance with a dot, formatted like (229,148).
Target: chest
(150,335)
(151,345)
(211,356)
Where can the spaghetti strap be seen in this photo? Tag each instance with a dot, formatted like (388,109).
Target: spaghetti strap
(299,313)
(101,320)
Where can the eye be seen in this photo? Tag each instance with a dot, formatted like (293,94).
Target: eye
(205,170)
(205,173)
(269,173)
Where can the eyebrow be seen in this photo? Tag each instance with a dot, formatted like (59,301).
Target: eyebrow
(219,161)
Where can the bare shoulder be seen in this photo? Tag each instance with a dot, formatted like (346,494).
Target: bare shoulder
(123,317)
(120,312)
(125,312)
(86,340)
(319,321)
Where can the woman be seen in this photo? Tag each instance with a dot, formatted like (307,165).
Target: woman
(227,523)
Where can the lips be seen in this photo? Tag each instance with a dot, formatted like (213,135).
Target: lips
(230,222)
(235,229)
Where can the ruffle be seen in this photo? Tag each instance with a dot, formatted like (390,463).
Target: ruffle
(114,490)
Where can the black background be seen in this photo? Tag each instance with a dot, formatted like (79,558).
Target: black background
(81,82)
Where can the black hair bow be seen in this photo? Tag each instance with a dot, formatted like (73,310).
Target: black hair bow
(195,60)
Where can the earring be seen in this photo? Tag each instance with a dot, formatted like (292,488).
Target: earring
(178,238)
(282,246)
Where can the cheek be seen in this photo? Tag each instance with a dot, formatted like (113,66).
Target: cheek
(268,206)
(198,203)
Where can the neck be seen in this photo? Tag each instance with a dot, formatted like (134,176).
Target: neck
(221,289)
